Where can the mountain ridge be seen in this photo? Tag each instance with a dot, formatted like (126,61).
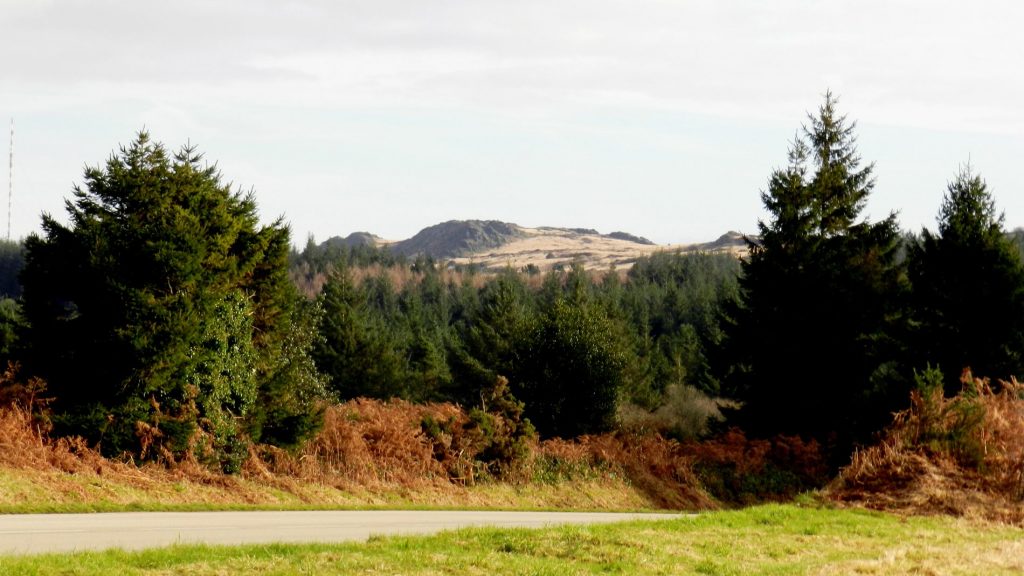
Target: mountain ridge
(494,244)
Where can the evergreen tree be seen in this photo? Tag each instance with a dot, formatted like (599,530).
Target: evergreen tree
(968,289)
(490,337)
(812,342)
(163,315)
(12,259)
(10,324)
(292,391)
(356,351)
(675,300)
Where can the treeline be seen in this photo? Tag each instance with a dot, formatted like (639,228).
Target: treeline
(166,321)
(575,345)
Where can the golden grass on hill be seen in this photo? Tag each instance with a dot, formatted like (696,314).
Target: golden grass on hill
(962,456)
(546,248)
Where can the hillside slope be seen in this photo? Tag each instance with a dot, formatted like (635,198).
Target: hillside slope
(546,248)
(493,244)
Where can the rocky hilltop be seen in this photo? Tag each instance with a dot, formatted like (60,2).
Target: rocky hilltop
(456,238)
(355,239)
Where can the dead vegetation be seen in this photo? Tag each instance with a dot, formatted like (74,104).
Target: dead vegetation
(656,467)
(962,456)
(369,452)
(372,452)
(364,443)
(377,450)
(738,470)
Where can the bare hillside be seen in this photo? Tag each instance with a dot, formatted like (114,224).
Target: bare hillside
(546,248)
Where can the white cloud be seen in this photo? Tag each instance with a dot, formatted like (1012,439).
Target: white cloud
(328,73)
(920,61)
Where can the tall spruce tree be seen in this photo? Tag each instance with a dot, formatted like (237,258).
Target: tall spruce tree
(493,334)
(358,352)
(968,289)
(162,316)
(811,343)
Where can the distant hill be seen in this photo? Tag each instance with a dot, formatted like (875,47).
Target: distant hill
(494,244)
(729,240)
(630,238)
(355,239)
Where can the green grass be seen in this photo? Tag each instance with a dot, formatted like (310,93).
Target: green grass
(772,539)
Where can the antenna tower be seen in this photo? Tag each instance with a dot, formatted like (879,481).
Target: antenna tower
(10,182)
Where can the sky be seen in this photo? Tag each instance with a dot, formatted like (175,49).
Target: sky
(662,118)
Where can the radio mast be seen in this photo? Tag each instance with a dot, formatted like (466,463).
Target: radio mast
(10,182)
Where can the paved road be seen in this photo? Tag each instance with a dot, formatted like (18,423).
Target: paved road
(35,533)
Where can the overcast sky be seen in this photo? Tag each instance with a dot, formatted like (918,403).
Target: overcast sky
(659,118)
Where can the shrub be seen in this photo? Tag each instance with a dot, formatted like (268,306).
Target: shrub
(952,426)
(686,414)
(492,440)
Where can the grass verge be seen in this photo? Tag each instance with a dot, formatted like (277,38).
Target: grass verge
(771,539)
(24,491)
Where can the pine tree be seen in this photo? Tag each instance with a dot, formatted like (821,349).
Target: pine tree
(357,351)
(811,344)
(489,334)
(968,289)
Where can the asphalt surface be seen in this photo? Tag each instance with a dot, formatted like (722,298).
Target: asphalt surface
(39,533)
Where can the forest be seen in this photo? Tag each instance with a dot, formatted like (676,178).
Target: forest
(164,319)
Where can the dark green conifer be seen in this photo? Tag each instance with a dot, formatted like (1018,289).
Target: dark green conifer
(162,316)
(811,345)
(968,289)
